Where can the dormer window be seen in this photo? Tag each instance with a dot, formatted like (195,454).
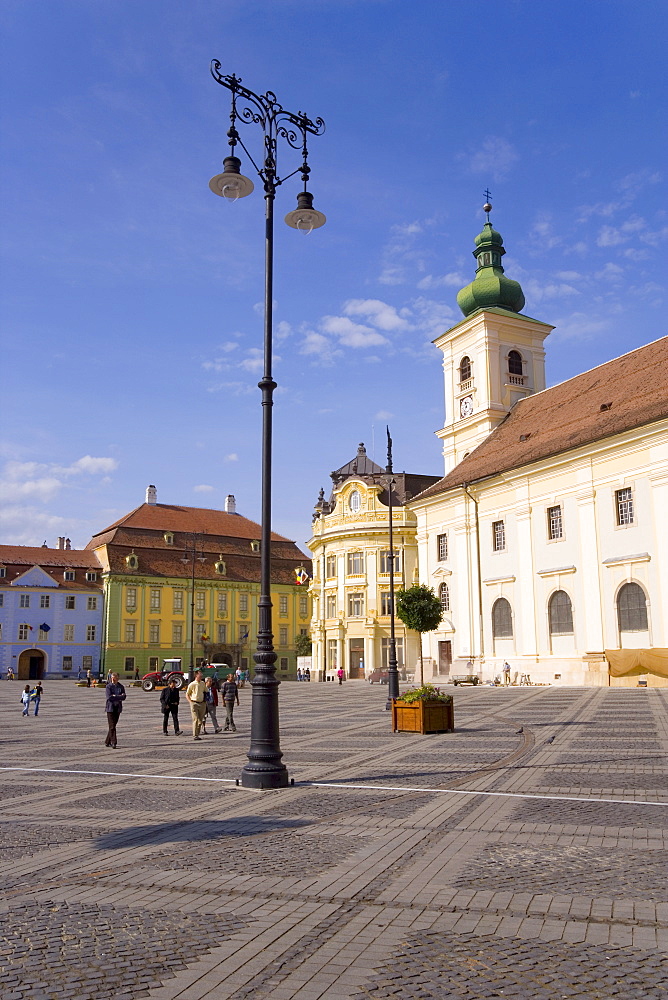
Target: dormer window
(220,567)
(69,574)
(3,572)
(91,577)
(465,369)
(355,501)
(132,561)
(255,545)
(169,537)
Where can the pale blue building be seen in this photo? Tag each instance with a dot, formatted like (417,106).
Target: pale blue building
(51,611)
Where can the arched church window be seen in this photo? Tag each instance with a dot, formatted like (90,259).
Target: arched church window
(502,619)
(514,363)
(444,597)
(465,369)
(632,608)
(560,613)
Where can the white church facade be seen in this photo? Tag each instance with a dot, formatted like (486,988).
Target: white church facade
(547,537)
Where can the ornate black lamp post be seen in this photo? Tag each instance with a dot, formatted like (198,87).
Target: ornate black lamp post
(392,672)
(264,768)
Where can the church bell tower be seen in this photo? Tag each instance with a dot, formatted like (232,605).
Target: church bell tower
(493,357)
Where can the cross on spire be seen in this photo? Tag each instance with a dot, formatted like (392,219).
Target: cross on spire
(487,207)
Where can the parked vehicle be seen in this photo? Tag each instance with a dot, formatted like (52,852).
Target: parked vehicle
(465,679)
(171,671)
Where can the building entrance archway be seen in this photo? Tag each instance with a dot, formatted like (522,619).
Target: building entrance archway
(31,665)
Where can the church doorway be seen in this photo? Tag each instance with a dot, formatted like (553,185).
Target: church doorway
(31,665)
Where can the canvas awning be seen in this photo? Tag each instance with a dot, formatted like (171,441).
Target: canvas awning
(632,662)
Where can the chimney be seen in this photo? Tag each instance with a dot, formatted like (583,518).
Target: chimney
(61,542)
(68,544)
(230,504)
(151,495)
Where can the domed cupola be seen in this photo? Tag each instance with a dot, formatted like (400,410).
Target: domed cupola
(490,287)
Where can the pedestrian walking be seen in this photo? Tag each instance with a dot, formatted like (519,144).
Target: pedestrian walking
(211,702)
(89,678)
(230,695)
(36,696)
(169,702)
(307,675)
(340,674)
(10,674)
(195,696)
(299,674)
(115,698)
(506,672)
(25,700)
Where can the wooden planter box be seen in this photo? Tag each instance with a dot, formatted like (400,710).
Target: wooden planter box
(422,717)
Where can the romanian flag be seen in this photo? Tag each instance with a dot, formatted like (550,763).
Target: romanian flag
(302,575)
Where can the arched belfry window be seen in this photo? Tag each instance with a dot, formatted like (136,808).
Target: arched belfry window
(465,369)
(560,613)
(632,608)
(444,597)
(514,363)
(502,619)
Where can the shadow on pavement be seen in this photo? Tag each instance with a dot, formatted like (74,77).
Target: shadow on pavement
(192,831)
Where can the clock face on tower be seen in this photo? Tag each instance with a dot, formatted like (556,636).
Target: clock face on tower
(466,406)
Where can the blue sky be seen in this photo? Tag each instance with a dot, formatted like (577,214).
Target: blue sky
(131,297)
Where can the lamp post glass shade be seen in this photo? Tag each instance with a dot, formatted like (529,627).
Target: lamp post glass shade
(231,183)
(305,217)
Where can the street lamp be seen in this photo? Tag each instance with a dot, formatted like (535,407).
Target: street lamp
(392,672)
(193,553)
(265,768)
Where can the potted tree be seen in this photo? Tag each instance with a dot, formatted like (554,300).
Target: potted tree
(423,710)
(420,609)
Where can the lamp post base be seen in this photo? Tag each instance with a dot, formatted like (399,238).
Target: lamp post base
(260,779)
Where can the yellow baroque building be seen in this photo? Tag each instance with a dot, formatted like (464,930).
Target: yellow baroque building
(350,590)
(180,578)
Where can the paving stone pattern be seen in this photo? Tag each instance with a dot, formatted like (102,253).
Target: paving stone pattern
(602,871)
(140,882)
(63,950)
(276,854)
(468,967)
(587,814)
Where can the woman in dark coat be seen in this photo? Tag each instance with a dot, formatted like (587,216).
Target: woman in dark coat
(115,698)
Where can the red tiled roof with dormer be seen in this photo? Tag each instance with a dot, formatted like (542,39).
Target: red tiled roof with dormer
(628,392)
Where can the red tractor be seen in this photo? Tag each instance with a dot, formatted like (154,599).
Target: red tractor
(171,671)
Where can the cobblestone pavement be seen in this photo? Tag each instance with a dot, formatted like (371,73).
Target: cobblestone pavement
(484,863)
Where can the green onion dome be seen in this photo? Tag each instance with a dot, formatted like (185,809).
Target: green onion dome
(490,287)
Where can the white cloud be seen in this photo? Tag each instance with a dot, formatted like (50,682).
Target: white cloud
(382,315)
(610,272)
(383,415)
(451,280)
(610,237)
(203,488)
(656,237)
(254,360)
(232,457)
(495,157)
(43,488)
(319,347)
(94,465)
(580,326)
(569,275)
(431,317)
(43,480)
(352,334)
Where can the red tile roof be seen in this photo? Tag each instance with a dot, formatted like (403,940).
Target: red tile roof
(18,559)
(169,517)
(622,394)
